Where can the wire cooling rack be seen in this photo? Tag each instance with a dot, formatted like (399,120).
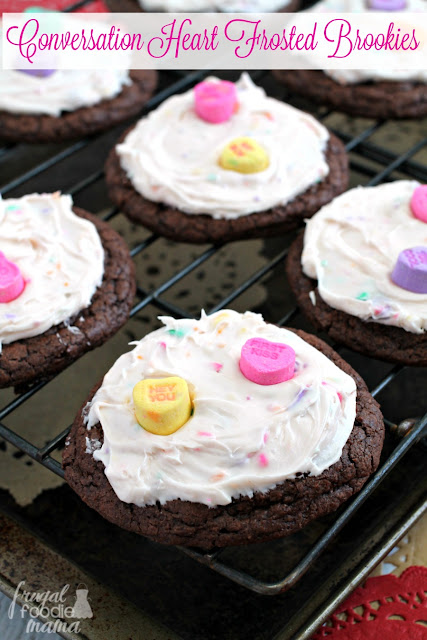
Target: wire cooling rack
(371,163)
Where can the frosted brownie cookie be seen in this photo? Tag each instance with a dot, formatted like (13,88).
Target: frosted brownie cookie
(223,431)
(224,161)
(373,93)
(66,285)
(59,105)
(360,271)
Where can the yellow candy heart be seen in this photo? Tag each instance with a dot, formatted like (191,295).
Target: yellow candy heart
(162,405)
(244,155)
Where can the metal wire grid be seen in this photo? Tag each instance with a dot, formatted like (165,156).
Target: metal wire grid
(403,163)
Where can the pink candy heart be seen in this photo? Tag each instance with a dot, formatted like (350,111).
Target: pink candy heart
(215,101)
(419,202)
(11,281)
(265,362)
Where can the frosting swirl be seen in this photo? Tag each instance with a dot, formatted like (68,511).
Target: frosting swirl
(171,156)
(351,247)
(64,90)
(242,437)
(60,257)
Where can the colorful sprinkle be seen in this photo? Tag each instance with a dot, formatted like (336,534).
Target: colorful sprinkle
(263,460)
(363,296)
(298,397)
(178,333)
(268,115)
(205,434)
(274,407)
(217,477)
(216,366)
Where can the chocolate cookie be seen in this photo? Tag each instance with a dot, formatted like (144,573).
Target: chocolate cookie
(370,338)
(198,229)
(40,357)
(288,507)
(81,122)
(368,99)
(132,6)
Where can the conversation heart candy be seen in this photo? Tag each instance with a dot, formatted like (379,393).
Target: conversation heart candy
(410,271)
(419,202)
(38,73)
(215,101)
(265,362)
(11,281)
(162,405)
(244,155)
(387,5)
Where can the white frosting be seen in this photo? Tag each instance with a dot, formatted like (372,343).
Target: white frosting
(60,257)
(231,6)
(171,155)
(351,247)
(242,437)
(64,90)
(383,73)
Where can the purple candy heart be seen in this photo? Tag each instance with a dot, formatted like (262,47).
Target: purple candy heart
(410,271)
(387,5)
(38,73)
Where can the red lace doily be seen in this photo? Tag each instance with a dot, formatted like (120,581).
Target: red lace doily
(385,608)
(17,6)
